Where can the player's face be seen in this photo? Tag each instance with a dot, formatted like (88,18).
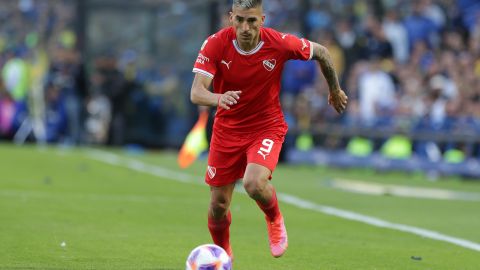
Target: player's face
(247,23)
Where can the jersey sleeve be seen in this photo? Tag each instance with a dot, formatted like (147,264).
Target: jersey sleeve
(298,48)
(207,58)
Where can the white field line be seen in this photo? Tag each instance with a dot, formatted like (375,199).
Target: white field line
(139,166)
(402,191)
(286,198)
(377,222)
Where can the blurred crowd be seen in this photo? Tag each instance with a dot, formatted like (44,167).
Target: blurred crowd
(407,66)
(42,80)
(51,91)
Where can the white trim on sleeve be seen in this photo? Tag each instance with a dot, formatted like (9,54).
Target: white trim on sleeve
(311,50)
(203,72)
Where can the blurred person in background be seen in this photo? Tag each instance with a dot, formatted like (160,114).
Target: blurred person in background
(376,42)
(16,79)
(7,112)
(434,12)
(111,83)
(318,18)
(350,42)
(98,112)
(397,35)
(410,98)
(56,115)
(420,27)
(376,93)
(66,70)
(245,64)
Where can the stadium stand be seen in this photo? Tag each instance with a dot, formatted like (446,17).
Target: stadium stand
(113,72)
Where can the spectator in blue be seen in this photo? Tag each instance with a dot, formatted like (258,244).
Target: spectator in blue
(55,113)
(377,43)
(297,76)
(419,27)
(67,73)
(318,17)
(469,11)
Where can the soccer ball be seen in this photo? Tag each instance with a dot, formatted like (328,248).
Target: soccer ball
(208,257)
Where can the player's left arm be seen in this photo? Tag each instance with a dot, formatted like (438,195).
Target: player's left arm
(337,97)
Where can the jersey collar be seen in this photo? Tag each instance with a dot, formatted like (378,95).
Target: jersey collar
(242,52)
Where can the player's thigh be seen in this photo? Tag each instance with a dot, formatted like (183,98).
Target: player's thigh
(256,172)
(227,158)
(256,178)
(225,168)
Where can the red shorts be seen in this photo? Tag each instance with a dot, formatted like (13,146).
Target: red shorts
(230,153)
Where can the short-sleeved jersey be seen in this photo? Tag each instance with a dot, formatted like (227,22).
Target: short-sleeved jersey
(257,73)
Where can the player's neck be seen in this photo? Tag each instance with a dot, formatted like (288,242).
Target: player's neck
(248,46)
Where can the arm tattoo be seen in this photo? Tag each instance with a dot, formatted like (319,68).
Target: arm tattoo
(322,55)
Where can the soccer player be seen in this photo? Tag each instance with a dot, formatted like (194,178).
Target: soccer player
(245,63)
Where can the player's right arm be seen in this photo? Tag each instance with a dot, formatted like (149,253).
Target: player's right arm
(205,69)
(200,94)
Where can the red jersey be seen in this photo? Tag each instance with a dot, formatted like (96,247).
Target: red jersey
(257,73)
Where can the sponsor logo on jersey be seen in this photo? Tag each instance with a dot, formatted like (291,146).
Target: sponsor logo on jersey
(284,35)
(211,171)
(226,64)
(201,59)
(269,64)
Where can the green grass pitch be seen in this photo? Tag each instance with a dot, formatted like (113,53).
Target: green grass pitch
(114,217)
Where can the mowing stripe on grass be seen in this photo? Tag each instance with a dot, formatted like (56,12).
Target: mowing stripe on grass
(401,191)
(136,165)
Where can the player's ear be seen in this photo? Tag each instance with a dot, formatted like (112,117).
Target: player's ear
(230,16)
(263,20)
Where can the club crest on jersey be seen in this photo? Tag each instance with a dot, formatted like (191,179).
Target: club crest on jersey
(269,64)
(211,171)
